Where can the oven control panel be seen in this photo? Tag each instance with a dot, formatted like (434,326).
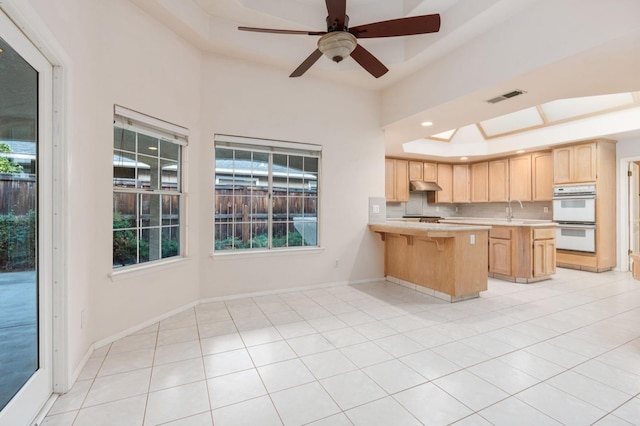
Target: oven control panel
(587,189)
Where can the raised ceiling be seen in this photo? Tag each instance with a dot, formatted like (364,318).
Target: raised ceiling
(551,49)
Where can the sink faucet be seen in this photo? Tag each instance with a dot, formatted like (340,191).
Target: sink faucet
(510,210)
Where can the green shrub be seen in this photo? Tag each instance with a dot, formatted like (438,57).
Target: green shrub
(18,241)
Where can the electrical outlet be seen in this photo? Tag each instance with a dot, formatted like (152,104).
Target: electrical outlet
(546,209)
(337,264)
(472,239)
(375,209)
(437,208)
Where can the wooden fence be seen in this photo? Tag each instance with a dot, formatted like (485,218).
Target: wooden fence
(243,212)
(17,193)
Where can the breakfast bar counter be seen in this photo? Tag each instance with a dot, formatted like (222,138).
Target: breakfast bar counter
(443,260)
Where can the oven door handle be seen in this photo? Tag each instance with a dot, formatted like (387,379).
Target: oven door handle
(575,197)
(575,226)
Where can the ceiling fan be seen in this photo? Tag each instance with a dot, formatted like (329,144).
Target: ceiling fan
(340,41)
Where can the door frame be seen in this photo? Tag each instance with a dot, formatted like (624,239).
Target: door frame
(55,178)
(624,211)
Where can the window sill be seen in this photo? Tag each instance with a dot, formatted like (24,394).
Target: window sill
(133,271)
(232,255)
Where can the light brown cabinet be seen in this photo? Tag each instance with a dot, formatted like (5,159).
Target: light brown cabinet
(500,251)
(499,180)
(522,254)
(541,176)
(575,163)
(591,161)
(396,180)
(415,170)
(544,257)
(445,180)
(520,178)
(430,172)
(461,187)
(480,182)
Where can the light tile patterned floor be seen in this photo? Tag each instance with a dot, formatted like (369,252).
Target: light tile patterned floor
(564,351)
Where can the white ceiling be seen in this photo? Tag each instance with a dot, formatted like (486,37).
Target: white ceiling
(551,49)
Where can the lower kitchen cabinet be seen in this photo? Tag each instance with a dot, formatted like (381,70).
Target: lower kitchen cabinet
(522,254)
(500,256)
(544,252)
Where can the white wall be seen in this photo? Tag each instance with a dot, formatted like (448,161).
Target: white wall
(119,55)
(245,99)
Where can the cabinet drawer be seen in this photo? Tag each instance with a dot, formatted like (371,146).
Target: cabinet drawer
(500,232)
(544,234)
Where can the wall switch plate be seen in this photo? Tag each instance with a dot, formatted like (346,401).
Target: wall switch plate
(472,239)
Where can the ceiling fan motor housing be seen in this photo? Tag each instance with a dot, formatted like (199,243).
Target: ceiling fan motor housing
(337,45)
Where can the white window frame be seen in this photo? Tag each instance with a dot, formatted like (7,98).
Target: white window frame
(270,146)
(140,123)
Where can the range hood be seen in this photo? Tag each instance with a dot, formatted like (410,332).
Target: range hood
(418,185)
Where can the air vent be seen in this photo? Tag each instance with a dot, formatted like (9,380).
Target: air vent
(506,96)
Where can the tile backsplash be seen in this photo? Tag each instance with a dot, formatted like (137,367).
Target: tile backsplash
(418,205)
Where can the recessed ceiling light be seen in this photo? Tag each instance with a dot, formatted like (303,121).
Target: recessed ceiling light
(426,123)
(464,158)
(520,151)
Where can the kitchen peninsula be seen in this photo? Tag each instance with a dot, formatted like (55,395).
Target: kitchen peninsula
(443,260)
(522,251)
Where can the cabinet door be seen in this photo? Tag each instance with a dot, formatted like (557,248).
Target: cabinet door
(500,256)
(461,187)
(584,163)
(430,172)
(389,179)
(480,182)
(415,170)
(445,180)
(542,176)
(563,165)
(520,178)
(402,180)
(499,180)
(544,258)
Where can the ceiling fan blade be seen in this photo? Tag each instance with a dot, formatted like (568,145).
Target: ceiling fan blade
(337,10)
(304,66)
(399,27)
(272,31)
(369,62)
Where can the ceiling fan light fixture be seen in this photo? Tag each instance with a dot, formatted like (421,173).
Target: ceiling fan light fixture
(337,45)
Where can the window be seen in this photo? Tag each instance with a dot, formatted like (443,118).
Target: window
(147,188)
(266,194)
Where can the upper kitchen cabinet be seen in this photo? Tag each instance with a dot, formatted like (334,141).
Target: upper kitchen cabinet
(575,163)
(542,176)
(520,178)
(396,174)
(415,170)
(461,186)
(480,182)
(445,180)
(430,172)
(499,180)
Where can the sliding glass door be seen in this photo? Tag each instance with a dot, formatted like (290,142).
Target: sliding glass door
(25,293)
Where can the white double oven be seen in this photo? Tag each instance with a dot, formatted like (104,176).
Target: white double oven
(574,210)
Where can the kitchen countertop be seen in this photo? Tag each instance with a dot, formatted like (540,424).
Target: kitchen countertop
(497,221)
(420,226)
